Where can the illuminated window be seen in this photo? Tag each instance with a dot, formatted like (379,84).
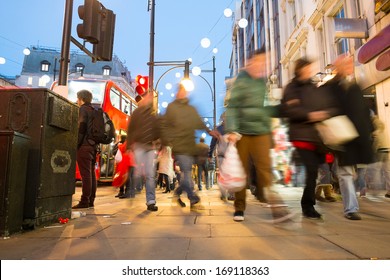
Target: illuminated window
(106,70)
(80,67)
(45,65)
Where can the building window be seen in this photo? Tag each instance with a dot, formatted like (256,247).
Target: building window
(45,65)
(342,45)
(106,70)
(79,68)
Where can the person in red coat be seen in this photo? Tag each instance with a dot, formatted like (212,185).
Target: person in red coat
(124,171)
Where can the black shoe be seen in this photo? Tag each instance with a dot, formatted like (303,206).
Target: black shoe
(125,195)
(181,203)
(312,214)
(194,201)
(91,205)
(238,216)
(119,194)
(387,195)
(167,191)
(80,206)
(353,216)
(152,207)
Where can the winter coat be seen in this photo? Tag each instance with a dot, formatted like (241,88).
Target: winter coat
(143,127)
(127,155)
(202,153)
(178,127)
(350,98)
(85,111)
(299,99)
(245,111)
(379,137)
(165,161)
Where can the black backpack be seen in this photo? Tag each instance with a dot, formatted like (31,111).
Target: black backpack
(101,129)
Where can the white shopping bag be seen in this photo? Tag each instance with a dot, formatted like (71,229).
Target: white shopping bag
(232,176)
(118,156)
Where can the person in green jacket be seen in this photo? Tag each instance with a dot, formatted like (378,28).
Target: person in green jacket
(247,116)
(178,131)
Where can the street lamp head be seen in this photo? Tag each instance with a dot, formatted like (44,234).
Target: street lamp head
(242,23)
(227,12)
(196,71)
(187,84)
(205,43)
(26,51)
(215,50)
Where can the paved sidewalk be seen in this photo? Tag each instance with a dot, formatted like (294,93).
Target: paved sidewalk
(122,229)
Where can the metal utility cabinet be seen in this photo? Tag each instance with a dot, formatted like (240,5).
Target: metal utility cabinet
(14,149)
(51,121)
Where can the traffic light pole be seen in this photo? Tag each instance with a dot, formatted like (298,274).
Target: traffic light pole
(151,7)
(65,48)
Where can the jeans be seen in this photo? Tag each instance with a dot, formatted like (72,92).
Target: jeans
(130,186)
(145,158)
(361,178)
(347,188)
(379,172)
(86,159)
(185,163)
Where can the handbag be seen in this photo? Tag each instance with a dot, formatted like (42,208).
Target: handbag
(336,131)
(232,176)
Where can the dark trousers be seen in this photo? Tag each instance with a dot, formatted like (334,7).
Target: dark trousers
(164,181)
(86,159)
(311,161)
(203,169)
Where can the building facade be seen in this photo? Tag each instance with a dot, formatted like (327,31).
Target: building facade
(321,30)
(41,69)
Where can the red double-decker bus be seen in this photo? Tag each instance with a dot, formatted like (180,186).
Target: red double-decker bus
(118,104)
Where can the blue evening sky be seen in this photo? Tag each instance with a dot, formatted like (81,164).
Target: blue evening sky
(179,27)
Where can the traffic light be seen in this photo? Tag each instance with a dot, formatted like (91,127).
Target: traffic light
(103,49)
(142,84)
(90,13)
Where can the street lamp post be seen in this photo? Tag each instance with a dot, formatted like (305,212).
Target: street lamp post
(212,91)
(175,64)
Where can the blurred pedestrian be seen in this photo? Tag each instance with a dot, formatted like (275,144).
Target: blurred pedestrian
(301,105)
(358,151)
(165,168)
(178,131)
(246,115)
(202,151)
(86,152)
(324,180)
(142,132)
(127,190)
(381,168)
(219,144)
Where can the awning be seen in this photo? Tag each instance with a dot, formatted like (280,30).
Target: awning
(375,46)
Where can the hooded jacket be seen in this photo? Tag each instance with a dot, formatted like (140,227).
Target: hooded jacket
(178,127)
(245,112)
